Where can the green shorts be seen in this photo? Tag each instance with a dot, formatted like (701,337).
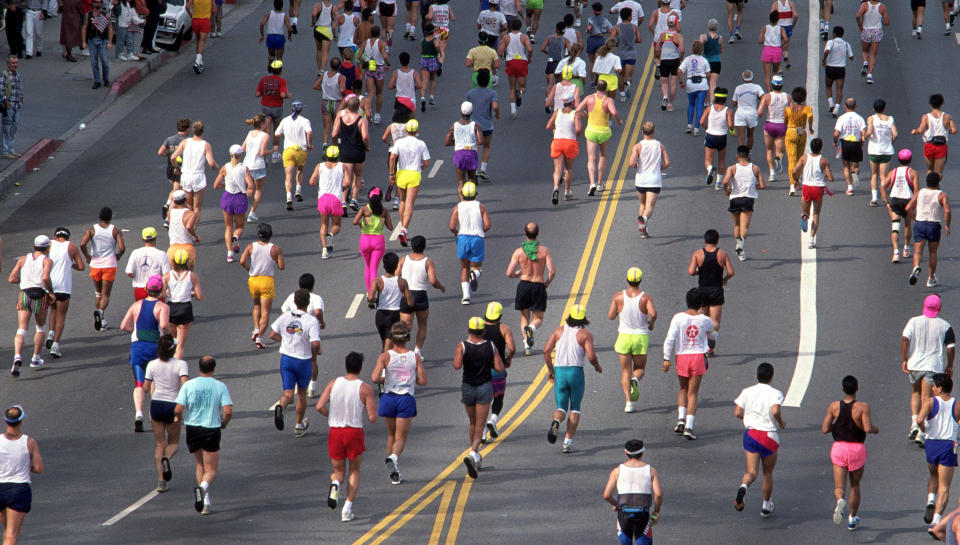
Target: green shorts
(579,83)
(534,4)
(598,135)
(880,158)
(632,344)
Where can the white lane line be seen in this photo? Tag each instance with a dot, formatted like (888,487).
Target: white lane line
(807,349)
(396,233)
(352,311)
(436,167)
(133,507)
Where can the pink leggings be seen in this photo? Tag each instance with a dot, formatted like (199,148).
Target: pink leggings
(371,249)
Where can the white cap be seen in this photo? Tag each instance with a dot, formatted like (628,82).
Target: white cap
(41,241)
(236,149)
(466,108)
(179,196)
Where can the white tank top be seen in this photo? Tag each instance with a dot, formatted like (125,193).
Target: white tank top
(561,94)
(415,272)
(942,424)
(373,53)
(261,264)
(565,125)
(177,231)
(470,219)
(928,205)
(103,247)
(401,373)
(650,158)
(935,128)
(347,30)
(252,157)
(784,13)
(330,86)
(772,37)
(235,181)
(872,19)
(901,188)
(634,480)
(346,408)
(441,16)
(276,23)
(180,287)
(569,353)
(60,274)
(661,25)
(812,175)
(881,139)
(515,50)
(744,182)
(14,460)
(325,18)
(406,86)
(330,180)
(633,321)
(465,136)
(31,273)
(194,155)
(778,105)
(570,34)
(717,122)
(390,296)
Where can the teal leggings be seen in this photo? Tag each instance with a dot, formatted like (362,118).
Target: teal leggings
(568,388)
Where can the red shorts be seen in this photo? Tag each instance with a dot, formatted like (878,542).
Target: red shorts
(99,275)
(345,443)
(201,25)
(564,146)
(691,365)
(933,151)
(852,456)
(811,193)
(517,68)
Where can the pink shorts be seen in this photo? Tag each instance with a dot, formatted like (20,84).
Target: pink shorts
(689,365)
(852,456)
(771,54)
(330,205)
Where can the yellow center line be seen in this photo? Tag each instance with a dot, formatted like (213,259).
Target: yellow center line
(442,513)
(458,511)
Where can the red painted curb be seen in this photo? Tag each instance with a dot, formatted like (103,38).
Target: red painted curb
(127,80)
(39,152)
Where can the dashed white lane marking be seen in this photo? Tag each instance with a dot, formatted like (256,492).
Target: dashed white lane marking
(352,311)
(133,507)
(396,233)
(436,167)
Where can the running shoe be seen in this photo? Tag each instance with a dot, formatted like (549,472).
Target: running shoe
(278,416)
(566,448)
(803,223)
(793,191)
(931,283)
(663,103)
(813,243)
(688,433)
(928,512)
(849,192)
(298,196)
(312,392)
(465,301)
(354,204)
(293,30)
(324,254)
(394,470)
(710,174)
(166,224)
(717,185)
(433,101)
(696,131)
(553,431)
(870,79)
(347,516)
(737,32)
(49,341)
(914,431)
(299,430)
(423,104)
(670,107)
(568,195)
(289,205)
(482,175)
(823,34)
(629,407)
(634,389)
(207,509)
(839,510)
(165,467)
(474,284)
(395,204)
(921,440)
(679,427)
(527,351)
(97,319)
(656,74)
(623,96)
(103,324)
(896,257)
(907,252)
(198,498)
(253,217)
(402,237)
(197,69)
(863,69)
(689,128)
(593,190)
(332,496)
(853,523)
(778,164)
(15,370)
(766,509)
(739,243)
(483,436)
(163,212)
(913,276)
(259,342)
(555,199)
(235,244)
(137,423)
(771,177)
(732,39)
(741,492)
(786,63)
(641,223)
(528,336)
(343,205)
(254,334)
(471,465)
(492,429)
(742,254)
(376,119)
(439,70)
(519,98)
(161,486)
(55,350)
(931,533)
(946,30)
(919,33)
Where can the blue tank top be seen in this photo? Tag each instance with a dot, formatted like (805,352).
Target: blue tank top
(148,327)
(711,49)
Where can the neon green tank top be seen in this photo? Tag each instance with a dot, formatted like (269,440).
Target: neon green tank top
(372,224)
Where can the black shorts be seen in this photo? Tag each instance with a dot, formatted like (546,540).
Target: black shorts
(834,73)
(633,525)
(654,190)
(162,411)
(352,157)
(385,320)
(914,4)
(551,67)
(899,206)
(387,10)
(61,296)
(320,38)
(172,174)
(714,67)
(715,141)
(531,296)
(711,296)
(734,1)
(205,439)
(740,204)
(852,152)
(668,67)
(420,302)
(181,313)
(16,496)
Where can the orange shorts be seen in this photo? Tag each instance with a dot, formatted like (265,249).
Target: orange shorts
(689,365)
(98,275)
(564,146)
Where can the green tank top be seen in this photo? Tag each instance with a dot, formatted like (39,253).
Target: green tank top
(372,224)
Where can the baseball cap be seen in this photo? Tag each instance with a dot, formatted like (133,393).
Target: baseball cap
(236,150)
(333,152)
(41,241)
(634,274)
(931,306)
(494,311)
(497,2)
(181,257)
(466,108)
(413,126)
(567,72)
(276,64)
(578,312)
(179,196)
(476,323)
(469,189)
(155,282)
(407,102)
(148,233)
(777,81)
(905,155)
(23,414)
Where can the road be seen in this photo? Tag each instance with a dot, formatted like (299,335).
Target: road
(271,486)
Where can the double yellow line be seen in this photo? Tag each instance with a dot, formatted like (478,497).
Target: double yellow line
(444,489)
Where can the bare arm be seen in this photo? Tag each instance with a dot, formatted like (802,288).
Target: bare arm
(325,399)
(432,276)
(827,425)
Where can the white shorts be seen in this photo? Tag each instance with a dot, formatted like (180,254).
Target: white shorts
(746,118)
(191,182)
(648,179)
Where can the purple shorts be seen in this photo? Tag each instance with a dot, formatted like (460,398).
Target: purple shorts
(234,203)
(465,159)
(330,205)
(776,130)
(771,53)
(499,384)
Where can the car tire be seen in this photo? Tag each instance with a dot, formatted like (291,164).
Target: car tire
(188,34)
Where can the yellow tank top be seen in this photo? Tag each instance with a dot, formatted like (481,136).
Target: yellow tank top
(598,118)
(201,9)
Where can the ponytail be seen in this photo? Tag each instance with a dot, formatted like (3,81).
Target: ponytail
(375,201)
(256,121)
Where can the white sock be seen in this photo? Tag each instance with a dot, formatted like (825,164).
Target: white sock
(139,413)
(348,506)
(335,483)
(393,457)
(936,519)
(689,423)
(293,20)
(289,195)
(875,194)
(168,202)
(204,485)
(913,419)
(299,188)
(465,288)
(476,273)
(492,419)
(532,327)
(681,413)
(567,441)
(313,385)
(849,187)
(483,166)
(931,498)
(199,58)
(513,107)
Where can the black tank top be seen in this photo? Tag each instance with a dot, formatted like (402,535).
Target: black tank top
(492,333)
(350,138)
(711,273)
(844,428)
(477,362)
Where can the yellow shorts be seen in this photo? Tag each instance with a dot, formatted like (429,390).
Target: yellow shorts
(611,80)
(261,287)
(597,135)
(408,178)
(293,157)
(632,344)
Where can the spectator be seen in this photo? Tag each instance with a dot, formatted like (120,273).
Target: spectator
(13,21)
(155,8)
(33,27)
(11,96)
(98,33)
(70,28)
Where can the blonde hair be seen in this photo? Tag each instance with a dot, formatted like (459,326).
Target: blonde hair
(256,121)
(647,128)
(198,128)
(607,47)
(697,48)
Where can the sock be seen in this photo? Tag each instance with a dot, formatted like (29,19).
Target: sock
(199,58)
(513,107)
(875,194)
(293,21)
(348,506)
(567,441)
(744,486)
(393,457)
(492,419)
(681,413)
(931,497)
(913,419)
(830,102)
(299,188)
(532,327)
(689,423)
(335,483)
(168,202)
(139,413)
(851,517)
(476,273)
(849,187)
(937,516)
(644,219)
(313,385)
(465,288)
(204,485)
(483,166)
(289,196)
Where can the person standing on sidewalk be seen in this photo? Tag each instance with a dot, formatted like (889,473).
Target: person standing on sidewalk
(98,33)
(70,27)
(33,27)
(155,8)
(11,95)
(13,20)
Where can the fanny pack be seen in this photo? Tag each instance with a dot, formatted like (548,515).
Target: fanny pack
(34,293)
(939,140)
(696,79)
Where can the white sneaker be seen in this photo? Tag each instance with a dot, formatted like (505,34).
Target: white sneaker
(766,509)
(630,407)
(253,217)
(37,362)
(567,448)
(838,511)
(55,350)
(346,516)
(376,121)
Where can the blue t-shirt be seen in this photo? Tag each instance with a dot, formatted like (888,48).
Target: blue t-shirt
(203,397)
(482,99)
(599,25)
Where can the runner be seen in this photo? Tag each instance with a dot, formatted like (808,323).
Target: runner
(570,83)
(533,10)
(849,132)
(403,110)
(146,320)
(347,396)
(658,24)
(516,48)
(799,119)
(554,47)
(420,273)
(746,99)
(388,11)
(938,420)
(812,169)
(483,57)
(321,19)
(931,210)
(410,28)
(637,317)
(759,408)
(272,90)
(278,28)
(532,263)
(574,345)
(511,12)
(935,128)
(578,66)
(826,12)
(372,219)
(716,121)
(440,14)
(208,408)
(145,262)
(917,7)
(849,421)
(239,187)
(695,71)
(262,259)
(903,182)
(173,170)
(597,109)
(927,347)
(774,40)
(835,55)
(709,265)
(607,67)
(22,457)
(638,488)
(871,18)
(294,12)
(332,86)
(564,147)
(881,133)
(464,135)
(690,332)
(385,294)
(650,159)
(32,272)
(105,249)
(427,75)
(636,10)
(182,286)
(668,43)
(65,256)
(316,308)
(599,29)
(486,107)
(469,222)
(408,157)
(297,142)
(346,25)
(740,182)
(492,22)
(352,129)
(735,19)
(190,156)
(255,147)
(502,338)
(328,177)
(298,333)
(183,228)
(374,50)
(787,17)
(200,11)
(712,48)
(163,379)
(478,358)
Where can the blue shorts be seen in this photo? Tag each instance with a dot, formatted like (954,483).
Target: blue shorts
(295,372)
(275,41)
(397,406)
(471,248)
(628,61)
(16,496)
(568,388)
(141,352)
(788,30)
(759,442)
(941,452)
(926,231)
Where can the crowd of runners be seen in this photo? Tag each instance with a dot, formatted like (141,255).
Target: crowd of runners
(580,101)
